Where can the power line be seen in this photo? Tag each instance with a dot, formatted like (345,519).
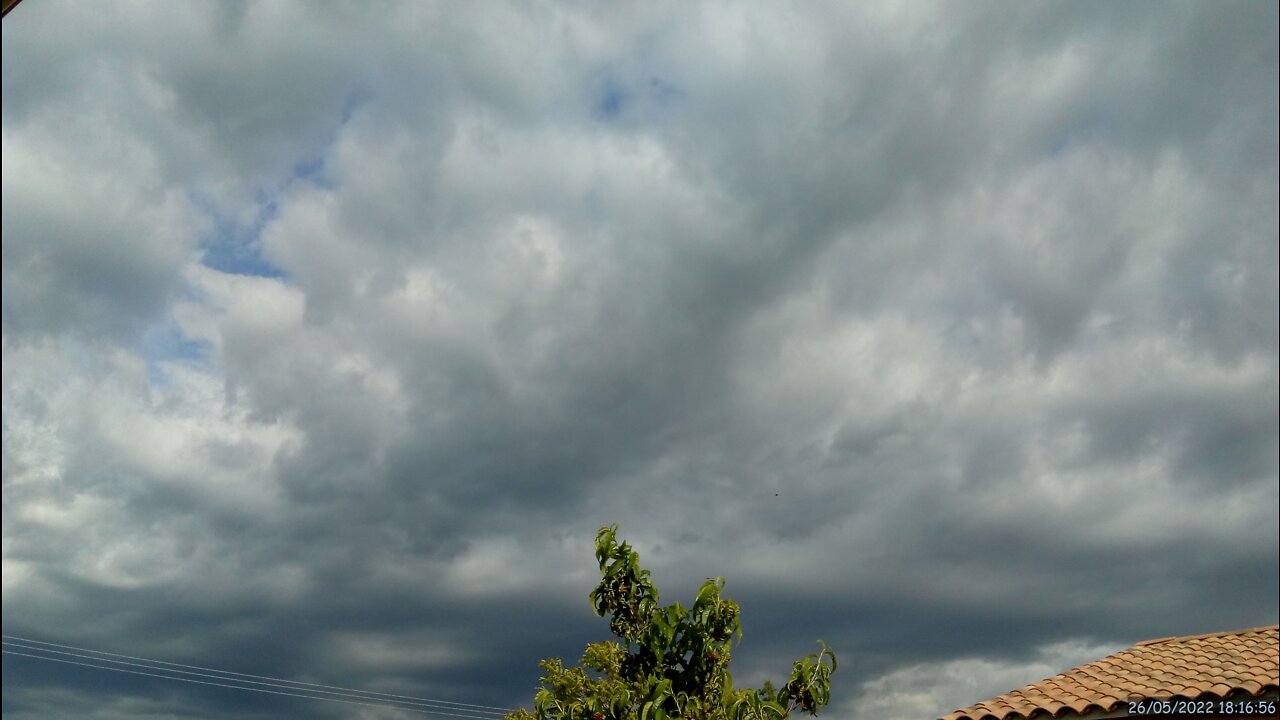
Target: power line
(397,698)
(386,700)
(473,715)
(234,687)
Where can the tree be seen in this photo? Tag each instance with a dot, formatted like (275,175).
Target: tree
(671,662)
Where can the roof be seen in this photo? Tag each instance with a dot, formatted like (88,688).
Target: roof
(1238,664)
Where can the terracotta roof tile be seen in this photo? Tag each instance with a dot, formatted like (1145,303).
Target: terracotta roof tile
(1192,667)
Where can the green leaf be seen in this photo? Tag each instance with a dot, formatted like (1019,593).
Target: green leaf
(709,592)
(673,661)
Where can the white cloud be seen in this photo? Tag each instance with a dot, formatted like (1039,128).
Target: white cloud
(934,689)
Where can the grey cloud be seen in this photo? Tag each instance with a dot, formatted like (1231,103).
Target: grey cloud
(934,330)
(81,256)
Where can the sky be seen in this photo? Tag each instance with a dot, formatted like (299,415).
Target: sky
(333,332)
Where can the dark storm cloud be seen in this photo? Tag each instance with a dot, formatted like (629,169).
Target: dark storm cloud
(934,330)
(83,255)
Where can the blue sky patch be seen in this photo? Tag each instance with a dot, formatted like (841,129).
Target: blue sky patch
(234,246)
(610,101)
(617,97)
(311,169)
(166,343)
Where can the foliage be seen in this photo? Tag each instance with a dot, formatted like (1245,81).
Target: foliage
(671,662)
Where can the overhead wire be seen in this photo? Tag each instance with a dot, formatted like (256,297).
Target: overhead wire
(205,682)
(474,714)
(280,683)
(234,687)
(388,700)
(251,675)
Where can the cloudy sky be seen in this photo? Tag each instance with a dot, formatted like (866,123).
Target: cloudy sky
(332,332)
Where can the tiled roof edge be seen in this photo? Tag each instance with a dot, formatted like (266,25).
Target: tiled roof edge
(1250,688)
(1157,641)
